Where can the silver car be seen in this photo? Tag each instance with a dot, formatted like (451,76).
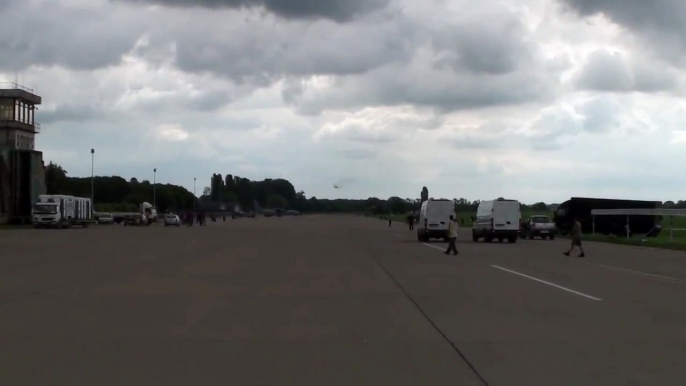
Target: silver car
(172,220)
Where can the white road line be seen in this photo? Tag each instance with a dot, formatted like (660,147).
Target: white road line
(435,247)
(640,272)
(548,283)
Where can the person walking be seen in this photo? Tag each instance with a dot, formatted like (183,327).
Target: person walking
(410,219)
(576,239)
(390,219)
(452,236)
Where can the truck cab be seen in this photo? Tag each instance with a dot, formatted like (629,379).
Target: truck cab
(46,213)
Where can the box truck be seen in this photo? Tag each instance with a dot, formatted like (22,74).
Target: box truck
(62,211)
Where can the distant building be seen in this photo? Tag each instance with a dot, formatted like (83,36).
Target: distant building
(22,172)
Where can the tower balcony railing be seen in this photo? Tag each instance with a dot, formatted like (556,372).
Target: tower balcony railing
(12,124)
(15,86)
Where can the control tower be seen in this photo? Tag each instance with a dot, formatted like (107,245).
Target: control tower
(22,173)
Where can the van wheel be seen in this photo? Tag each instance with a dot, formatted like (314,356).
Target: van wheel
(85,225)
(474,236)
(544,237)
(500,239)
(531,236)
(512,239)
(488,239)
(552,237)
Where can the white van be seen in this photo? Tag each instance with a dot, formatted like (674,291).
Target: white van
(497,219)
(434,217)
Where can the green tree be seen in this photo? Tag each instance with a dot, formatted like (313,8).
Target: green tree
(55,179)
(277,201)
(539,206)
(397,205)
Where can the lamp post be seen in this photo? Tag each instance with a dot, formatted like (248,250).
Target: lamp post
(194,197)
(154,186)
(92,180)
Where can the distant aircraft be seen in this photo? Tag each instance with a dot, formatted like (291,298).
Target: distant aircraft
(336,186)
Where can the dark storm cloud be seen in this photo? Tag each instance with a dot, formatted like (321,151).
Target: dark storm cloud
(496,47)
(445,90)
(68,113)
(51,33)
(339,10)
(638,14)
(264,51)
(661,23)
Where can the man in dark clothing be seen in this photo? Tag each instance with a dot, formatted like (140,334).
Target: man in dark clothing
(390,219)
(410,219)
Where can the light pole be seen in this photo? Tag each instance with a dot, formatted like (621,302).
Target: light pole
(154,186)
(92,181)
(194,198)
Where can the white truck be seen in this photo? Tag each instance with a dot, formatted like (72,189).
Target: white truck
(146,216)
(62,211)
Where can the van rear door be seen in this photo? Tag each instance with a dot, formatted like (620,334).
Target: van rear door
(438,214)
(506,215)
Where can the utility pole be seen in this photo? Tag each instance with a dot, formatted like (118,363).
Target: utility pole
(92,181)
(154,187)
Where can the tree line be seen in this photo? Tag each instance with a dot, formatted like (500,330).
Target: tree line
(271,193)
(115,194)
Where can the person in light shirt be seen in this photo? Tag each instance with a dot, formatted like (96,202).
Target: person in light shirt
(452,236)
(576,239)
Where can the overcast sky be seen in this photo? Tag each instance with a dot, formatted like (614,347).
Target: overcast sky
(536,100)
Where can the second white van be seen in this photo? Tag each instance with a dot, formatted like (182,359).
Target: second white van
(497,219)
(434,217)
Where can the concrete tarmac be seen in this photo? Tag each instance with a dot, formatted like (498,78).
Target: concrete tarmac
(332,300)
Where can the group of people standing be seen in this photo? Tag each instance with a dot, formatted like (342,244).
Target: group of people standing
(200,218)
(190,219)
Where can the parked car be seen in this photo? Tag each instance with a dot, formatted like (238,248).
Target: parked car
(104,218)
(538,226)
(172,220)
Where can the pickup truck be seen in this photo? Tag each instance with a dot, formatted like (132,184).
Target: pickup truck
(538,226)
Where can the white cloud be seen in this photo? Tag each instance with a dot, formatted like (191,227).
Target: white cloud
(173,133)
(486,99)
